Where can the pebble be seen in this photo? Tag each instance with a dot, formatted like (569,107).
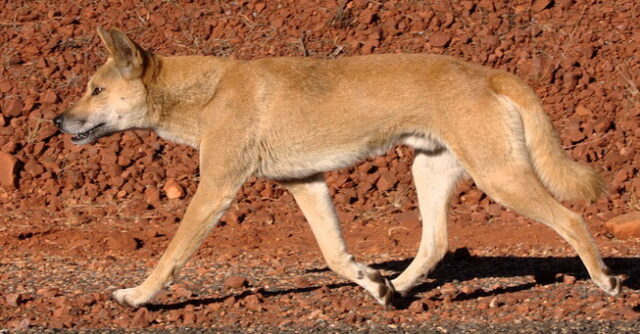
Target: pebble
(8,169)
(236,282)
(624,226)
(173,189)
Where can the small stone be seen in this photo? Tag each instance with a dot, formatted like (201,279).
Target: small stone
(8,169)
(50,97)
(625,226)
(181,292)
(152,195)
(448,289)
(583,111)
(540,5)
(259,7)
(173,189)
(468,290)
(14,108)
(439,40)
(142,318)
(13,299)
(121,241)
(574,134)
(386,181)
(33,167)
(236,282)
(230,301)
(568,279)
(5,86)
(254,302)
(417,306)
(157,20)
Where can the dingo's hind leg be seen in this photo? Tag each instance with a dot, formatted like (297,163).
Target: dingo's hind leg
(518,188)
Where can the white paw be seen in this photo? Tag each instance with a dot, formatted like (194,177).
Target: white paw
(130,297)
(611,285)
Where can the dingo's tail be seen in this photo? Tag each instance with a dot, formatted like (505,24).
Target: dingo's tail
(564,178)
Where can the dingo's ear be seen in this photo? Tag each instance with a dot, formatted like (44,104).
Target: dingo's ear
(126,54)
(105,36)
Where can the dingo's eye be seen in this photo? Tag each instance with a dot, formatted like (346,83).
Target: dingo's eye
(97,91)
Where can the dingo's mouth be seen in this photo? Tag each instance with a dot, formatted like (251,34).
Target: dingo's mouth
(89,135)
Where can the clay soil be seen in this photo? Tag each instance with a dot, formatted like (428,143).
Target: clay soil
(80,222)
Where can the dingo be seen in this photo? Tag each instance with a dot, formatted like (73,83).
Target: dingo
(291,119)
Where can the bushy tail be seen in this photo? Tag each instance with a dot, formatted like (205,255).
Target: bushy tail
(565,178)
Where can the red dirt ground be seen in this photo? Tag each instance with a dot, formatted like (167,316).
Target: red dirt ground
(79,222)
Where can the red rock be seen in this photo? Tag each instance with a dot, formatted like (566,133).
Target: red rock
(48,292)
(173,189)
(386,181)
(229,301)
(33,167)
(5,86)
(417,306)
(13,299)
(46,131)
(568,279)
(254,302)
(448,289)
(8,169)
(540,5)
(468,289)
(142,318)
(14,108)
(121,241)
(574,134)
(152,195)
(189,317)
(180,291)
(49,97)
(619,178)
(157,20)
(439,40)
(2,121)
(236,282)
(625,226)
(259,7)
(583,111)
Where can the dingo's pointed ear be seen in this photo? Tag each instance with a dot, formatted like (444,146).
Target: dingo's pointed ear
(105,36)
(128,56)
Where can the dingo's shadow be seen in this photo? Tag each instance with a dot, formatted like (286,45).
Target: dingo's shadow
(461,266)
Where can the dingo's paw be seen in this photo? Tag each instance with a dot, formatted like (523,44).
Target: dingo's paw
(131,297)
(383,291)
(610,285)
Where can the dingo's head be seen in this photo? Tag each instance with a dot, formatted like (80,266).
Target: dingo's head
(115,99)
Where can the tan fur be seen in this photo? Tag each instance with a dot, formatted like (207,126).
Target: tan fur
(291,119)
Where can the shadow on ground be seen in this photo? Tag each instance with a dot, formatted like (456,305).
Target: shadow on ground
(462,266)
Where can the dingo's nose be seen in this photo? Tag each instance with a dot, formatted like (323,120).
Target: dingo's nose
(58,121)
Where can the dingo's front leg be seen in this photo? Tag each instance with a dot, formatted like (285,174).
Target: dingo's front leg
(313,198)
(435,176)
(219,182)
(201,216)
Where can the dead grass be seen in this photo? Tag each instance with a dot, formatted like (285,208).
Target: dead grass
(633,93)
(343,17)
